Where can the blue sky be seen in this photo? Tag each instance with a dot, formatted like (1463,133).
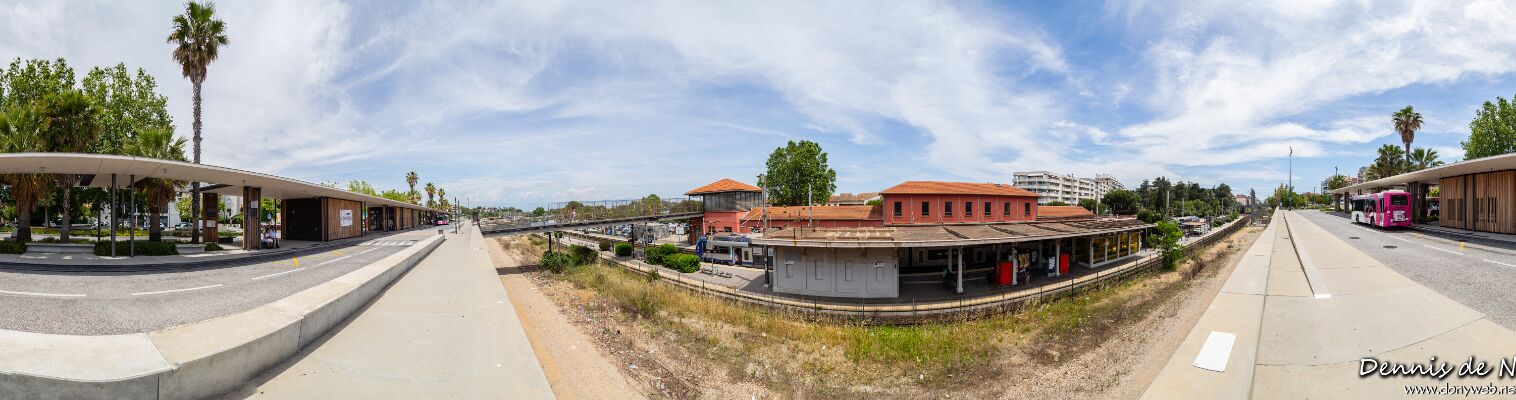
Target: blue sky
(526,103)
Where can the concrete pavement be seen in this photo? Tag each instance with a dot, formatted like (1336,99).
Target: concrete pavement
(446,329)
(1292,342)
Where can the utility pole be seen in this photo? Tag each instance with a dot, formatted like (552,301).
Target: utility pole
(1291,195)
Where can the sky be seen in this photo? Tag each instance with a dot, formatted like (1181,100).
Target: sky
(533,102)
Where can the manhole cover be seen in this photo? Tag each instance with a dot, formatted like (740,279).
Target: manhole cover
(1389,247)
(1352,237)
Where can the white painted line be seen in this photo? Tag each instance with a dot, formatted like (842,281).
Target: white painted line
(1439,248)
(42,294)
(1216,351)
(176,290)
(1399,238)
(336,259)
(277,274)
(1323,295)
(1501,263)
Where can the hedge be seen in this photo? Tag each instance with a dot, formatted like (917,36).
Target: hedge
(144,248)
(212,246)
(682,262)
(604,245)
(623,249)
(583,255)
(656,254)
(12,247)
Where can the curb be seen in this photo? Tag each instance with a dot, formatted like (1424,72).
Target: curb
(195,360)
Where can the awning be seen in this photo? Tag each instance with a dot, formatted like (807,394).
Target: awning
(1501,162)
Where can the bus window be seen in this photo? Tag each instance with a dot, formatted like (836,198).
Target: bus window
(1399,200)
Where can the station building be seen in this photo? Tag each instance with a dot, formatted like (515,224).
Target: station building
(308,211)
(955,230)
(1476,195)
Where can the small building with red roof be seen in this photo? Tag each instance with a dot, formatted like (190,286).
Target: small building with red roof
(935,203)
(726,201)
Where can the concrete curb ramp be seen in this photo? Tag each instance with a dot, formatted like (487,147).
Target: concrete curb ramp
(194,360)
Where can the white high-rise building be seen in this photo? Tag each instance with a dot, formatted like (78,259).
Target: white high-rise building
(1066,188)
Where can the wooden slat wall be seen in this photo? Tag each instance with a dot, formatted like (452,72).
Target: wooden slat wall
(1454,213)
(334,228)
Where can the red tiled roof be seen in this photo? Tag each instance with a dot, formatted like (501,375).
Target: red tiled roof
(724,185)
(934,187)
(1063,211)
(821,212)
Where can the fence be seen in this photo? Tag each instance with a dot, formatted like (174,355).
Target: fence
(584,212)
(896,312)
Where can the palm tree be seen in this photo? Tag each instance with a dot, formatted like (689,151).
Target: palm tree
(21,132)
(1423,158)
(197,38)
(431,190)
(157,143)
(442,194)
(410,180)
(73,125)
(1391,162)
(1407,122)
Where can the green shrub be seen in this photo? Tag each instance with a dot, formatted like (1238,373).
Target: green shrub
(605,246)
(682,262)
(144,248)
(1166,238)
(555,261)
(582,255)
(623,249)
(657,254)
(212,246)
(12,247)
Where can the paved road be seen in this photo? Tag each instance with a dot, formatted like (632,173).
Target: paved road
(118,303)
(1473,276)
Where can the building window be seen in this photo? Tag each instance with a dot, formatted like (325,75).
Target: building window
(726,229)
(899,209)
(1028,208)
(926,208)
(968,208)
(986,208)
(947,208)
(1007,208)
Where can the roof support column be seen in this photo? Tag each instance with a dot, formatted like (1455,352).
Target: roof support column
(960,270)
(252,218)
(115,215)
(132,202)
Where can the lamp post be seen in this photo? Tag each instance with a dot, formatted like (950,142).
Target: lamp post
(1289,199)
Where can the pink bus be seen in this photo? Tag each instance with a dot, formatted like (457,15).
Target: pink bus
(1385,209)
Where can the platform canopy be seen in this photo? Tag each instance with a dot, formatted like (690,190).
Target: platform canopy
(96,170)
(1503,162)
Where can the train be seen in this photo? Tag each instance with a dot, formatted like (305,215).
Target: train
(725,249)
(1387,209)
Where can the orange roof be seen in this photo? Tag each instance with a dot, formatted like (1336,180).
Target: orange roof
(1063,211)
(934,187)
(724,185)
(821,212)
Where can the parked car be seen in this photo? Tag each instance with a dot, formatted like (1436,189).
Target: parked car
(182,225)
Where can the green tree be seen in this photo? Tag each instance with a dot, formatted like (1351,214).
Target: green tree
(72,127)
(431,192)
(1407,122)
(197,37)
(1493,130)
(361,187)
(1088,204)
(23,84)
(20,132)
(1390,162)
(1056,203)
(1423,158)
(798,175)
(1337,182)
(1166,235)
(157,192)
(396,195)
(410,180)
(1122,202)
(539,211)
(442,194)
(128,104)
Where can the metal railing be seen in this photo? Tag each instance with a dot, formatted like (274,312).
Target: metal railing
(575,214)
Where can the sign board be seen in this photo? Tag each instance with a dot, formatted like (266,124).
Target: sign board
(346,217)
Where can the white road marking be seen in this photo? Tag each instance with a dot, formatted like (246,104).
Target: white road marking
(177,290)
(42,294)
(336,259)
(1501,263)
(1439,248)
(1399,238)
(1216,351)
(277,274)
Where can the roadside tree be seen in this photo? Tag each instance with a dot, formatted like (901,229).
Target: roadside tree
(798,175)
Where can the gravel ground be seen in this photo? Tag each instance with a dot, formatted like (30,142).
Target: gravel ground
(1475,277)
(119,303)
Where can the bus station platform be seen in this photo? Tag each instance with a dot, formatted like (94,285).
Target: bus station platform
(1301,312)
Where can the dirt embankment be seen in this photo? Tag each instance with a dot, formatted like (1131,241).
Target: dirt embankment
(668,343)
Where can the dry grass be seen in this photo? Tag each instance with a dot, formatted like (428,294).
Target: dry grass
(725,341)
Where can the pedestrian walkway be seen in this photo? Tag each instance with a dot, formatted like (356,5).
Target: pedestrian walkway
(446,329)
(1304,309)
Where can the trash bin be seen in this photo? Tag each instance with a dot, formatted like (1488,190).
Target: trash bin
(1005,272)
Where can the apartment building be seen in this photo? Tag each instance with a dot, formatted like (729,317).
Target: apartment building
(1067,188)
